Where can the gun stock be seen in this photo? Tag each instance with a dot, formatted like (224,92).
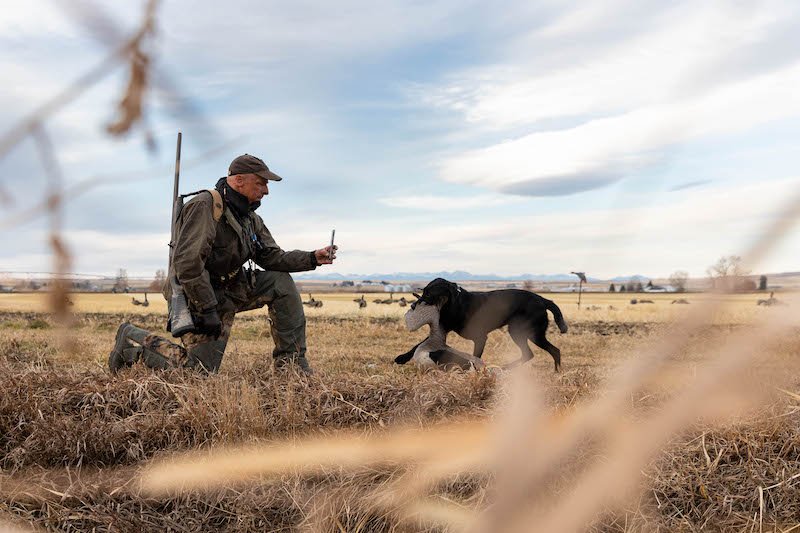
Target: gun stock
(180,318)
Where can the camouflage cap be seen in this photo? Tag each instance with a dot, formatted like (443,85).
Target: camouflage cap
(250,164)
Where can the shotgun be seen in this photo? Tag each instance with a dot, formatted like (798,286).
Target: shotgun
(180,318)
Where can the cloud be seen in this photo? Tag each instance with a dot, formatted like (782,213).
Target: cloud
(562,185)
(614,106)
(634,69)
(687,232)
(677,231)
(436,203)
(25,18)
(689,185)
(602,150)
(99,251)
(301,34)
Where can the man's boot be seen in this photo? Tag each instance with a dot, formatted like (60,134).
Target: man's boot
(299,362)
(125,353)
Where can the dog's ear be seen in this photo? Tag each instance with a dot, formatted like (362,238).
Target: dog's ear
(452,293)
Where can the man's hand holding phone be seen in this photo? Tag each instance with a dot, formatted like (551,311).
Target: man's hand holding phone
(325,256)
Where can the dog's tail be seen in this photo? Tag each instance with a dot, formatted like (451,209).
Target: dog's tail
(562,324)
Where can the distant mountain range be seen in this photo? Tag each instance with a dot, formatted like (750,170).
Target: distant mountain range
(634,278)
(459,275)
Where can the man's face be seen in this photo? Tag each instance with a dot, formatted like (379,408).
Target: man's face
(254,187)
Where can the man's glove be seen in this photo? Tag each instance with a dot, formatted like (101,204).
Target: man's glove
(208,323)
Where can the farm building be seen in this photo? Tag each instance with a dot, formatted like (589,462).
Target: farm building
(660,288)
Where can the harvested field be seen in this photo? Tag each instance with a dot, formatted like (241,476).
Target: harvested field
(75,441)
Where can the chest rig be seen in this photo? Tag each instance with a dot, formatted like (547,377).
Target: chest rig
(249,242)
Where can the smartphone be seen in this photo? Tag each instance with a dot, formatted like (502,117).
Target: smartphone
(330,254)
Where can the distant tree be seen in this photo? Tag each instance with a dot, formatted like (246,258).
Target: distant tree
(727,273)
(638,287)
(649,284)
(762,283)
(622,288)
(679,279)
(730,265)
(527,285)
(158,280)
(121,281)
(612,288)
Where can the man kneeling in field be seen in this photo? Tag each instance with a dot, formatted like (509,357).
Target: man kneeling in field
(218,231)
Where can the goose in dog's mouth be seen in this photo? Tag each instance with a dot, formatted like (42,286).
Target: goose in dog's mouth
(434,352)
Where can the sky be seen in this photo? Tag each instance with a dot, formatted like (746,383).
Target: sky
(611,137)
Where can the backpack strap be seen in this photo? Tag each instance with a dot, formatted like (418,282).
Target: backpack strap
(219,206)
(216,202)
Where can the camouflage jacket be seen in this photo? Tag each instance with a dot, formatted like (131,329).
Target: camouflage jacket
(209,254)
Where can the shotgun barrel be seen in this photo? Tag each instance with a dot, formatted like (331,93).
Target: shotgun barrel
(180,318)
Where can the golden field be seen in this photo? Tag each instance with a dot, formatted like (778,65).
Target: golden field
(607,306)
(664,418)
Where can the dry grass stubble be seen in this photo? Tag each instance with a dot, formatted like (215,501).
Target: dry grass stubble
(64,418)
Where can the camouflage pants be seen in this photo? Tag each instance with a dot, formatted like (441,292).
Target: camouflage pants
(276,290)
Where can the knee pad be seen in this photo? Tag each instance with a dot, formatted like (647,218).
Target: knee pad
(207,355)
(155,360)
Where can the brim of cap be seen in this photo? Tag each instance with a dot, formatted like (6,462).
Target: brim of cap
(268,175)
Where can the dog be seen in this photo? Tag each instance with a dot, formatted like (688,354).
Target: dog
(473,315)
(434,352)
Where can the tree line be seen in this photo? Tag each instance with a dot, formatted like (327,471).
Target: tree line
(726,274)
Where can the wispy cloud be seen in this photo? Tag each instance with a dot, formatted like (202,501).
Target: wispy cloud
(689,185)
(434,203)
(677,231)
(603,150)
(569,66)
(624,105)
